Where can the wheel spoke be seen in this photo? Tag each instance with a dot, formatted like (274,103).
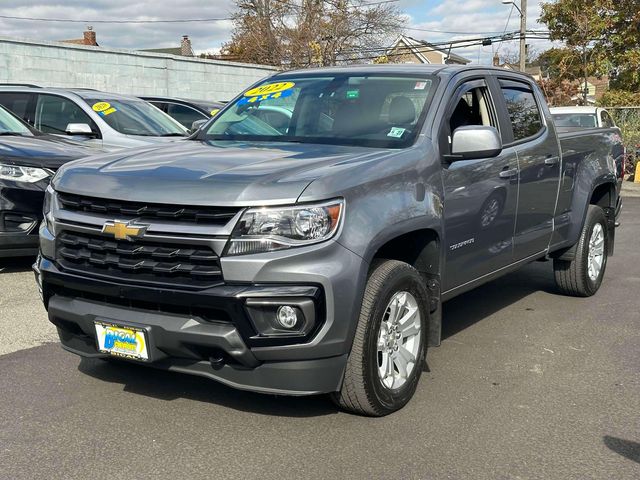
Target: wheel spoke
(406,355)
(409,316)
(389,370)
(393,311)
(410,329)
(401,363)
(386,359)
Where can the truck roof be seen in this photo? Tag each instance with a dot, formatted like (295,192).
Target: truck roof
(404,68)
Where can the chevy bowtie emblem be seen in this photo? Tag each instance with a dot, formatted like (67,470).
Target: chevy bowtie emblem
(124,230)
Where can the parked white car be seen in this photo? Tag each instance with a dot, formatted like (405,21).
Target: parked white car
(582,117)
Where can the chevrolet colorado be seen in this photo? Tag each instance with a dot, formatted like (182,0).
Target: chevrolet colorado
(313,255)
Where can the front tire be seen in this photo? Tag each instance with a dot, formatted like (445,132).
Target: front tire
(582,276)
(389,348)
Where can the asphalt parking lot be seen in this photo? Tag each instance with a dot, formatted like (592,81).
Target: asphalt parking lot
(527,384)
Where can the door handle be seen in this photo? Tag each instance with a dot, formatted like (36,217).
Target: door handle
(551,161)
(510,173)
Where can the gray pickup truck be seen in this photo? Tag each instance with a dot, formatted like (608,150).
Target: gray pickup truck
(304,240)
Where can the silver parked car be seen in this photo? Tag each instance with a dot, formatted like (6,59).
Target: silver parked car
(107,120)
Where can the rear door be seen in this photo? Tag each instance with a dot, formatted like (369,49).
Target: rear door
(537,148)
(480,196)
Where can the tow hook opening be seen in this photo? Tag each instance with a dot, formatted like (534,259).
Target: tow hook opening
(217,361)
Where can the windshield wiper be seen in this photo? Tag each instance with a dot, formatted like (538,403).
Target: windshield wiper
(12,134)
(173,135)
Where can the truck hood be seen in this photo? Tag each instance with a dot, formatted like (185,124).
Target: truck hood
(46,151)
(209,173)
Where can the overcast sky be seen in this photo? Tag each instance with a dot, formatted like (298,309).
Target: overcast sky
(474,17)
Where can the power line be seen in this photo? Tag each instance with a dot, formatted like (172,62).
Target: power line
(68,20)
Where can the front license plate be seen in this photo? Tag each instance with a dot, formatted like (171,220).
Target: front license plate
(122,341)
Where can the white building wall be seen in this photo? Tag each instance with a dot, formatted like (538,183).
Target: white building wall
(56,64)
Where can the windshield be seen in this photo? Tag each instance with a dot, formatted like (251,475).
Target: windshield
(136,117)
(11,125)
(575,120)
(365,110)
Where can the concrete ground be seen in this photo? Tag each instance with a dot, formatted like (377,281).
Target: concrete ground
(527,384)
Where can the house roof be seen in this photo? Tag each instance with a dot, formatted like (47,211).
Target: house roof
(415,45)
(170,51)
(530,70)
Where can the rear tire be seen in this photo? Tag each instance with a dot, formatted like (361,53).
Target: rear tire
(582,276)
(389,348)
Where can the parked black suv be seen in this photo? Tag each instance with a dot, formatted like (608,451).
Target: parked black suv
(28,159)
(184,110)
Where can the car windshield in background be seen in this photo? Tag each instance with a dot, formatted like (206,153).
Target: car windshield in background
(575,120)
(10,125)
(364,110)
(136,117)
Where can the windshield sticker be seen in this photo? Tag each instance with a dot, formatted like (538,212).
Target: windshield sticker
(269,89)
(353,94)
(396,132)
(267,96)
(103,108)
(214,111)
(420,86)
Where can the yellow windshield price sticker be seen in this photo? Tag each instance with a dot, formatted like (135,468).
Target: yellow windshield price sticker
(269,88)
(214,111)
(101,106)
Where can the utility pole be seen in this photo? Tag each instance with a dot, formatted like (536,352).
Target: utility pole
(523,35)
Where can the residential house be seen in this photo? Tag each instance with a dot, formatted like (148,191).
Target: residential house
(88,38)
(534,71)
(184,50)
(410,50)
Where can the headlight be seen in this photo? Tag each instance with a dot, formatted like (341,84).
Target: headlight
(46,210)
(268,229)
(17,173)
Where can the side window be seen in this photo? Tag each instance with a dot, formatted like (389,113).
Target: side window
(183,114)
(161,105)
(54,113)
(18,103)
(472,108)
(523,110)
(607,121)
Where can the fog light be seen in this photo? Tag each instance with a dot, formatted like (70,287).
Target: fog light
(287,316)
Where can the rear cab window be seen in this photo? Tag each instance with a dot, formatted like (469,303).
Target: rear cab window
(523,109)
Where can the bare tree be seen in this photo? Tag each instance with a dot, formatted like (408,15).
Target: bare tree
(310,32)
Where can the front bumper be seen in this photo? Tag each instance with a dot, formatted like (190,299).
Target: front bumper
(20,214)
(209,332)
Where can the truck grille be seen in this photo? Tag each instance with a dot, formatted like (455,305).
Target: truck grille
(157,211)
(139,261)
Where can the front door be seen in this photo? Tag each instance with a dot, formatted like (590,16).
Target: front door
(480,196)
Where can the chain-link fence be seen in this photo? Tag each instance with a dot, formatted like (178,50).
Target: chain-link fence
(628,119)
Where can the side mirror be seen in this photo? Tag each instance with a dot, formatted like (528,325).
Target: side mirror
(195,126)
(474,142)
(79,129)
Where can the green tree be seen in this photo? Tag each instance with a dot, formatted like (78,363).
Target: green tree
(603,33)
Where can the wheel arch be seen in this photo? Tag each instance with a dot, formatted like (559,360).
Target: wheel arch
(422,249)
